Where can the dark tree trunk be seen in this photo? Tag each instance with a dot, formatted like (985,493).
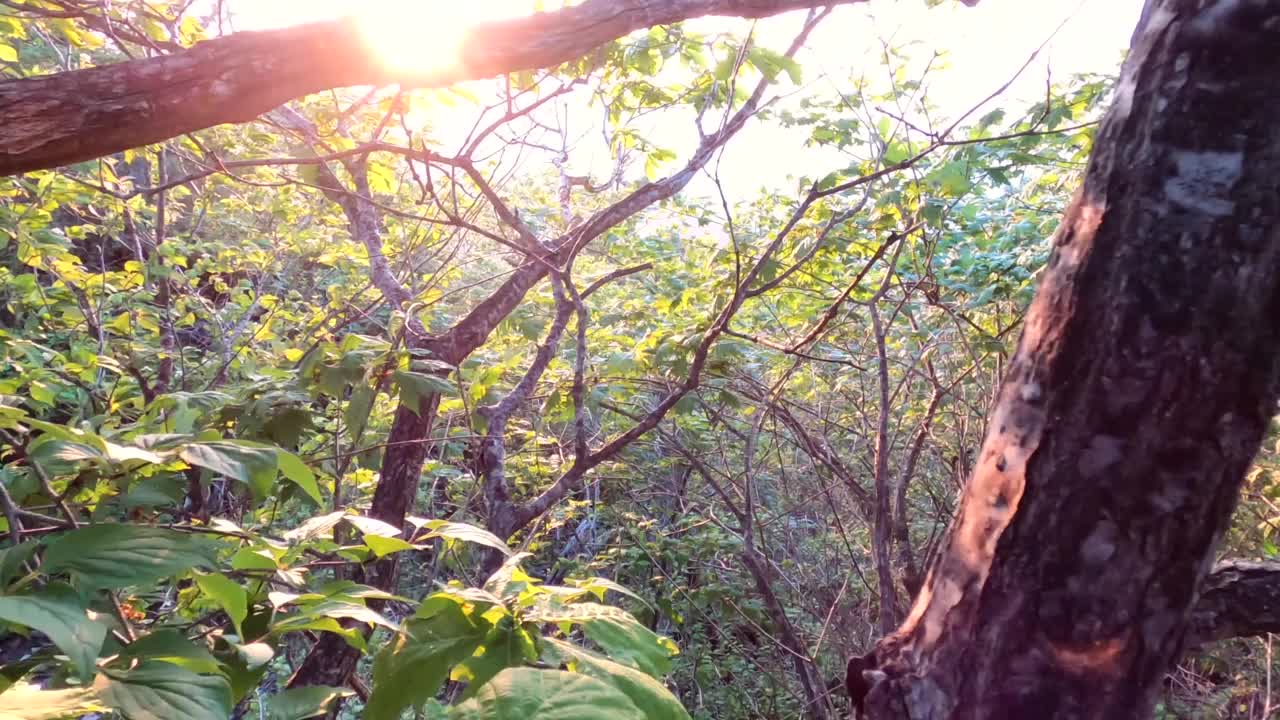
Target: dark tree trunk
(1144,380)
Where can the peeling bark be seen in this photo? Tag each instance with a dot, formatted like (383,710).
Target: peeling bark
(68,117)
(1144,380)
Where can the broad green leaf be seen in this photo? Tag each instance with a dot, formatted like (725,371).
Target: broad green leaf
(255,466)
(229,595)
(251,558)
(651,696)
(303,702)
(507,645)
(466,533)
(527,693)
(171,646)
(117,555)
(358,407)
(163,691)
(383,546)
(293,468)
(57,612)
(8,53)
(616,631)
(28,702)
(410,670)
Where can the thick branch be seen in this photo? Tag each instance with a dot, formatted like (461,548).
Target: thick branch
(69,117)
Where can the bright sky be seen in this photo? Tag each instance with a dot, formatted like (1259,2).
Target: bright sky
(984,46)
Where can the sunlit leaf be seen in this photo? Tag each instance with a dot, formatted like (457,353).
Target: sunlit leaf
(524,693)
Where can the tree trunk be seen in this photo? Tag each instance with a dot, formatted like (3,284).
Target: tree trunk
(1144,380)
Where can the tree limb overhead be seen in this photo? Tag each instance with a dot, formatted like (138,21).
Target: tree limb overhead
(69,117)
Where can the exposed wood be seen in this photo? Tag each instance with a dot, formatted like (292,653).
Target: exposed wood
(1144,381)
(69,117)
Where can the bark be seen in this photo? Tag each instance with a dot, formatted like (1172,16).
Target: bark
(1144,380)
(1238,599)
(68,117)
(881,541)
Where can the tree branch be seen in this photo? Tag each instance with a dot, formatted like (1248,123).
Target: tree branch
(73,116)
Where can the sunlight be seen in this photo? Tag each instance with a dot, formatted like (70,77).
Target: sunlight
(427,36)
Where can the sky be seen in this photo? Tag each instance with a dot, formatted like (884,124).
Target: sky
(984,46)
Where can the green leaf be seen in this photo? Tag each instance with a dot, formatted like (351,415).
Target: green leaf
(415,385)
(410,670)
(770,63)
(615,631)
(466,533)
(118,555)
(384,546)
(12,560)
(250,464)
(28,702)
(651,696)
(229,595)
(293,468)
(303,702)
(337,609)
(507,645)
(56,611)
(171,646)
(8,53)
(522,693)
(598,586)
(358,407)
(352,636)
(163,691)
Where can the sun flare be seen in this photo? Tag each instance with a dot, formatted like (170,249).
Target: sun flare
(427,36)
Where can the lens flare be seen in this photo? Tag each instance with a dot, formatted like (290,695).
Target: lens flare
(426,37)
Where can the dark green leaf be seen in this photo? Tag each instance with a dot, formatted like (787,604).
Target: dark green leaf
(118,555)
(251,464)
(410,670)
(163,691)
(57,612)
